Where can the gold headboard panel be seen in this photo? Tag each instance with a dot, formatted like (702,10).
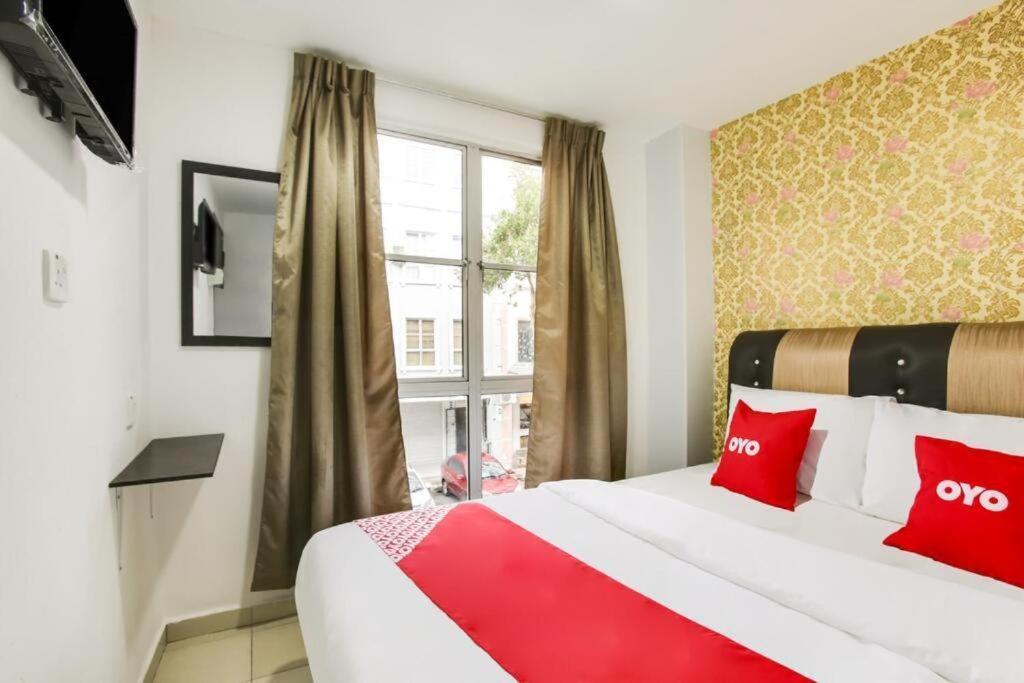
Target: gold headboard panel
(816,360)
(986,369)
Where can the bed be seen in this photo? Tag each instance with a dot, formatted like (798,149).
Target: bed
(808,594)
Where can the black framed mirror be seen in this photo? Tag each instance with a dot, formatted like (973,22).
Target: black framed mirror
(227,241)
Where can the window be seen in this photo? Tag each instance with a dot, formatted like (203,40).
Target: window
(460,235)
(524,341)
(419,342)
(510,225)
(457,343)
(435,448)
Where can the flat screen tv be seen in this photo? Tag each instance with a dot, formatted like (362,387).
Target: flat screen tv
(207,241)
(79,58)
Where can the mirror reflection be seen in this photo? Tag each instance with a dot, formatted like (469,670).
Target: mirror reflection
(232,235)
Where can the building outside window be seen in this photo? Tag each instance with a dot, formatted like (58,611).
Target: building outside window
(524,341)
(417,241)
(461,286)
(524,431)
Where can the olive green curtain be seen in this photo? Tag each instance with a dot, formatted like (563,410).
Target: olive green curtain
(578,425)
(334,440)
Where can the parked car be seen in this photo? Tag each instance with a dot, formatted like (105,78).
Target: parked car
(496,479)
(419,493)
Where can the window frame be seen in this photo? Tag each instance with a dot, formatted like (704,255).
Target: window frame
(472,384)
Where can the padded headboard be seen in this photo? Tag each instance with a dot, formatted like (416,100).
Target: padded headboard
(964,367)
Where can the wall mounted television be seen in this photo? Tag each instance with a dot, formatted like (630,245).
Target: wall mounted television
(207,241)
(79,59)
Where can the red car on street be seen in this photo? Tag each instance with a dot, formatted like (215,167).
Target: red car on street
(497,479)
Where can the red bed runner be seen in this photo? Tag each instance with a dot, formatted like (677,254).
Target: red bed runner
(543,615)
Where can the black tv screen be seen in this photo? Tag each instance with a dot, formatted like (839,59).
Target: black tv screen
(207,241)
(99,36)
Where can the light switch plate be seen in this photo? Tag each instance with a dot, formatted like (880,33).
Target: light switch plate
(55,277)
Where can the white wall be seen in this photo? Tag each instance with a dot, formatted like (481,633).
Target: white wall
(698,295)
(666,281)
(242,306)
(221,100)
(624,156)
(66,612)
(680,299)
(215,100)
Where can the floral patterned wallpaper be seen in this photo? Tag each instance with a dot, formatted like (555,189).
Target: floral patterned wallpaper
(890,194)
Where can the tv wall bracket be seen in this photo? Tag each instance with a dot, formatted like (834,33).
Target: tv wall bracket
(44,70)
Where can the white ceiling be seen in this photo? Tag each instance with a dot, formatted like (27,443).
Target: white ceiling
(649,62)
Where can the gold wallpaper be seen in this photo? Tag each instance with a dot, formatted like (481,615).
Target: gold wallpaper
(890,194)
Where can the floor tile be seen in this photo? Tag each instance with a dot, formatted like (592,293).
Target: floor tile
(271,611)
(277,647)
(291,676)
(224,657)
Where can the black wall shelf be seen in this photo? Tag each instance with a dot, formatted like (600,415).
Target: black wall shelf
(173,459)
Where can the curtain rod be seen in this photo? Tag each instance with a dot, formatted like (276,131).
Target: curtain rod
(465,100)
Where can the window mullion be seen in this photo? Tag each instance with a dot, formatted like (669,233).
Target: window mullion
(473,352)
(509,384)
(430,388)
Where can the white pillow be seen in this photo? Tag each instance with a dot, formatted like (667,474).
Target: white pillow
(833,466)
(891,481)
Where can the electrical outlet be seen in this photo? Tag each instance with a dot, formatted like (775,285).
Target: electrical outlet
(55,277)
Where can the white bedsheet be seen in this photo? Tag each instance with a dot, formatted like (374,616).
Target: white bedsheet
(826,615)
(821,524)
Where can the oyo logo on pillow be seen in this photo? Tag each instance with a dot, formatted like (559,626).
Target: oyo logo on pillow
(991,500)
(738,444)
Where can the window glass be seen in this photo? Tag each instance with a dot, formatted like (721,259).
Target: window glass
(434,430)
(421,197)
(506,433)
(423,311)
(511,211)
(508,322)
(447,311)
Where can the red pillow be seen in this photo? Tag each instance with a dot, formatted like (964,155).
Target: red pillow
(969,511)
(762,454)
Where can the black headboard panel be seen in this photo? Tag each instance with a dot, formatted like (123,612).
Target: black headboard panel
(752,358)
(976,366)
(905,361)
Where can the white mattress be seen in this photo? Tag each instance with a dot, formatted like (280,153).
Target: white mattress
(822,524)
(830,616)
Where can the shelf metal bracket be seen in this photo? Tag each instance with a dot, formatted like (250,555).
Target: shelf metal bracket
(120,525)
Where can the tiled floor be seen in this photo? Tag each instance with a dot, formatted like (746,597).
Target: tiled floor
(265,653)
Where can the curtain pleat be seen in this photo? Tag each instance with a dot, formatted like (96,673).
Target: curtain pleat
(334,440)
(578,427)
